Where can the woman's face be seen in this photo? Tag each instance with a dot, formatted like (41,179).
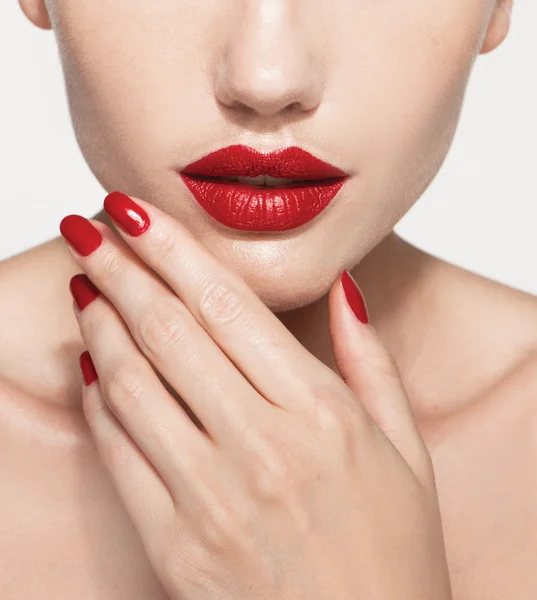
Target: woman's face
(374,87)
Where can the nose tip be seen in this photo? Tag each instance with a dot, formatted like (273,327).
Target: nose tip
(268,92)
(268,69)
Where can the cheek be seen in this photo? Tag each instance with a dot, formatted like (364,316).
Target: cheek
(417,77)
(408,89)
(125,68)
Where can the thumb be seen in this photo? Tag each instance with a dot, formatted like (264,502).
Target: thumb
(371,373)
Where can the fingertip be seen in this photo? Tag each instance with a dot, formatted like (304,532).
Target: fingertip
(354,297)
(87,367)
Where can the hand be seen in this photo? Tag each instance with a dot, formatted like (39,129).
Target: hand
(288,482)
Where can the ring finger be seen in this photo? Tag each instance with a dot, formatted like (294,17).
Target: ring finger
(171,339)
(149,414)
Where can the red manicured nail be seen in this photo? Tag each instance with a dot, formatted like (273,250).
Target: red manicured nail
(354,297)
(131,217)
(81,234)
(83,290)
(88,368)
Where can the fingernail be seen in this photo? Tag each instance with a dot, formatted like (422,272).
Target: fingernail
(81,234)
(83,290)
(88,368)
(131,217)
(354,297)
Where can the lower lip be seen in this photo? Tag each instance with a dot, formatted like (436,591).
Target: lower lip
(242,206)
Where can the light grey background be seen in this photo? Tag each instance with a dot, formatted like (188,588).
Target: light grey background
(479,212)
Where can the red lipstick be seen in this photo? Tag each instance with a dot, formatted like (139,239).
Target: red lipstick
(246,205)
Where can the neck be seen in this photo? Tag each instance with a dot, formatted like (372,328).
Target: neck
(394,277)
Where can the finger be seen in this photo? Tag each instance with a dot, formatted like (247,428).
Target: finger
(257,342)
(132,390)
(169,336)
(370,371)
(139,486)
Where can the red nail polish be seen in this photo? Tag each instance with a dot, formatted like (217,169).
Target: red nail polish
(83,290)
(354,297)
(88,368)
(81,234)
(131,217)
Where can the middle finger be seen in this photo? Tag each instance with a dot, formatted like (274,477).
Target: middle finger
(253,337)
(166,332)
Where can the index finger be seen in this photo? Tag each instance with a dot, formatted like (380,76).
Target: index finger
(256,341)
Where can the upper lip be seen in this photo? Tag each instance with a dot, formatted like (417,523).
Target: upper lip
(243,161)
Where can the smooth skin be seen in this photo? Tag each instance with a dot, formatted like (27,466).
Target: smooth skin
(153,86)
(294,490)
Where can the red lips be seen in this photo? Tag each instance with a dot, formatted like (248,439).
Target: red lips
(243,206)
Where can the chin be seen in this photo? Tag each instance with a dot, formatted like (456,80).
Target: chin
(289,291)
(280,301)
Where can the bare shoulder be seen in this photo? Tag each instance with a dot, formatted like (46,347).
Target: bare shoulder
(485,460)
(500,343)
(60,515)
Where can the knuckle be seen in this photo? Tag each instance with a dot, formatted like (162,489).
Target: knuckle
(338,423)
(162,327)
(94,409)
(220,304)
(329,418)
(109,266)
(114,450)
(117,453)
(273,476)
(219,527)
(381,360)
(91,321)
(124,389)
(328,411)
(164,246)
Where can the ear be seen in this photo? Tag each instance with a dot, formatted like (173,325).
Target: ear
(498,26)
(37,12)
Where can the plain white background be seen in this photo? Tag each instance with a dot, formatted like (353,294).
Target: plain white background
(479,212)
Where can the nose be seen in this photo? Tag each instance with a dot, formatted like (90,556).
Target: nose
(269,65)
